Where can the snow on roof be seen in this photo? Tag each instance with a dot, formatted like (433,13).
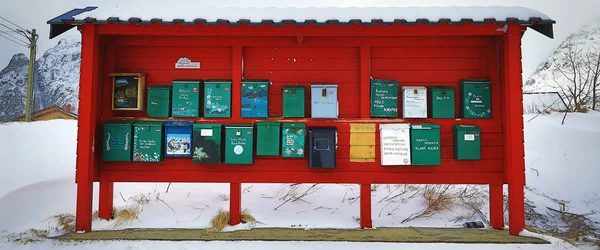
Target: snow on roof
(189,13)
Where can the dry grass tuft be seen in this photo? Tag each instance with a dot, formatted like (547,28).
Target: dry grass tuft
(26,237)
(64,222)
(437,198)
(125,216)
(221,220)
(247,217)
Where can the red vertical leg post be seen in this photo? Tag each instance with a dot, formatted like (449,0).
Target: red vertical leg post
(235,203)
(106,200)
(85,162)
(236,81)
(365,206)
(365,81)
(496,207)
(513,129)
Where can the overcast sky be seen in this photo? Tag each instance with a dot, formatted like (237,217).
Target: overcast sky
(569,14)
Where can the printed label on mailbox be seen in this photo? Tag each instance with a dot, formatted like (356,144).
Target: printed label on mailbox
(395,146)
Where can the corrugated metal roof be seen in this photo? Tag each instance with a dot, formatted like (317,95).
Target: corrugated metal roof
(148,15)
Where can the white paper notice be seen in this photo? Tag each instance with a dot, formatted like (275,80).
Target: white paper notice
(206,132)
(395,146)
(469,137)
(414,100)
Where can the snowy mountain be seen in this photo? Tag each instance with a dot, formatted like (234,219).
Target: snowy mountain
(13,85)
(56,80)
(58,74)
(546,77)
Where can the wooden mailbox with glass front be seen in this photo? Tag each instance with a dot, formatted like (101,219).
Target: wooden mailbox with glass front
(241,99)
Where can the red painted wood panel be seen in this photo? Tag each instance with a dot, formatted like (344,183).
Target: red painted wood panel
(410,60)
(312,66)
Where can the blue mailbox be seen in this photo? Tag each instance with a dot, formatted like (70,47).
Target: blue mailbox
(178,138)
(324,101)
(255,99)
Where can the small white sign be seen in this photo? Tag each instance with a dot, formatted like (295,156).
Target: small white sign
(206,132)
(238,149)
(186,63)
(469,137)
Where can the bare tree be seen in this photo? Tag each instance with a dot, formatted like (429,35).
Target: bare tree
(592,62)
(577,87)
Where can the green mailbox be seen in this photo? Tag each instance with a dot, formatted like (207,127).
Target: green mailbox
(206,143)
(425,144)
(467,142)
(441,99)
(159,101)
(148,141)
(267,138)
(476,99)
(217,98)
(384,98)
(239,143)
(292,140)
(186,98)
(117,141)
(293,101)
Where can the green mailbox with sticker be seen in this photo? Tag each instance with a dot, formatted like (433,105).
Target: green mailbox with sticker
(117,141)
(476,99)
(186,99)
(467,142)
(292,140)
(148,141)
(217,98)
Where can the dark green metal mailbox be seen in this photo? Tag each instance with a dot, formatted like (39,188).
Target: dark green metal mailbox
(117,141)
(206,143)
(425,144)
(441,99)
(148,141)
(159,101)
(384,98)
(186,99)
(467,142)
(239,143)
(476,99)
(293,101)
(217,99)
(292,141)
(267,138)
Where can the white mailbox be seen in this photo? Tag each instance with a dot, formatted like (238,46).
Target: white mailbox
(414,102)
(395,144)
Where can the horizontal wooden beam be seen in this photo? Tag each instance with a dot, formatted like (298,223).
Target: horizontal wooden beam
(315,176)
(310,30)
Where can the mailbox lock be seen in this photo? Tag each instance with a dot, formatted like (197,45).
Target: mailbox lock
(324,92)
(238,132)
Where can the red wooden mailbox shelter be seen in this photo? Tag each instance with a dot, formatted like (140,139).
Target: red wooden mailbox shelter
(414,46)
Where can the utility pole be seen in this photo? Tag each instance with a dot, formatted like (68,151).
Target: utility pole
(32,36)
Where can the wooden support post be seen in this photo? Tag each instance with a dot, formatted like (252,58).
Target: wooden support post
(513,128)
(106,200)
(496,207)
(236,81)
(86,167)
(365,206)
(365,81)
(235,203)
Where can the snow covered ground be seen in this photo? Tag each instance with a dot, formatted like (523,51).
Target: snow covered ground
(37,182)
